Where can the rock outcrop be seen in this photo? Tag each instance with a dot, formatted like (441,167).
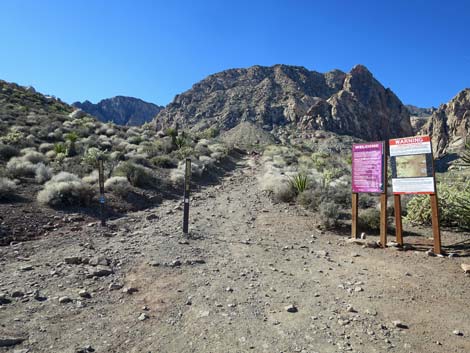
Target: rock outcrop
(121,110)
(352,103)
(449,125)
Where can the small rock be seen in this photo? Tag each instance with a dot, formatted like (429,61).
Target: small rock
(17,294)
(343,322)
(130,290)
(101,271)
(350,309)
(358,289)
(465,268)
(363,235)
(73,260)
(151,217)
(291,308)
(430,252)
(10,341)
(143,317)
(115,286)
(26,268)
(99,260)
(457,333)
(84,294)
(37,295)
(65,300)
(399,324)
(175,263)
(4,299)
(229,289)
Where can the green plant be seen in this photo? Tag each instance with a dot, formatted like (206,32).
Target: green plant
(369,219)
(329,214)
(91,156)
(465,157)
(60,148)
(65,189)
(163,162)
(137,175)
(299,182)
(180,142)
(454,206)
(6,151)
(7,188)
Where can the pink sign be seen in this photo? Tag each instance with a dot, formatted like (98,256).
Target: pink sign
(367,167)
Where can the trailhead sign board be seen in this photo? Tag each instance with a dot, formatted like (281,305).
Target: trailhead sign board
(412,165)
(368,167)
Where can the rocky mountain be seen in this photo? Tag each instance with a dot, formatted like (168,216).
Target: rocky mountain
(420,112)
(353,103)
(449,125)
(121,110)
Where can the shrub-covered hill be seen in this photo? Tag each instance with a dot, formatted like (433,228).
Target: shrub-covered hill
(49,152)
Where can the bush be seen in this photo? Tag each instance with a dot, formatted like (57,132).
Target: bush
(284,193)
(7,152)
(65,189)
(46,147)
(17,167)
(454,206)
(91,155)
(299,183)
(92,178)
(329,214)
(309,199)
(60,148)
(163,162)
(137,175)
(42,173)
(118,185)
(7,188)
(34,157)
(369,219)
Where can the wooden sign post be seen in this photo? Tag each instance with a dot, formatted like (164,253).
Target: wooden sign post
(187,184)
(101,183)
(369,175)
(412,165)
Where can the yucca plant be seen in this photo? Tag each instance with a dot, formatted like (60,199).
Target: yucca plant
(299,182)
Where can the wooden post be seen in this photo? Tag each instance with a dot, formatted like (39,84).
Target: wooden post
(383,201)
(354,215)
(101,183)
(436,231)
(398,223)
(187,183)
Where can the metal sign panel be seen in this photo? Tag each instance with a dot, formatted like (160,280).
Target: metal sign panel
(368,167)
(412,165)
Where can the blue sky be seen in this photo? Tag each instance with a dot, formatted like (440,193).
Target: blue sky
(154,50)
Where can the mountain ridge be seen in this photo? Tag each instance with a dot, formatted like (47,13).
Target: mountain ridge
(122,110)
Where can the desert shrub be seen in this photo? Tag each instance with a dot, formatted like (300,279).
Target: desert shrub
(137,175)
(46,147)
(163,162)
(51,155)
(329,214)
(65,189)
(92,178)
(7,151)
(60,148)
(177,177)
(184,152)
(284,193)
(135,140)
(209,133)
(7,188)
(207,162)
(369,219)
(34,157)
(180,141)
(309,199)
(13,137)
(118,185)
(17,167)
(91,155)
(299,182)
(42,173)
(454,206)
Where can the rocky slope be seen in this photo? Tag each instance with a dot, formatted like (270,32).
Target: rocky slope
(121,110)
(449,125)
(353,103)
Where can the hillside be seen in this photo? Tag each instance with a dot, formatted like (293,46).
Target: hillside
(449,125)
(121,110)
(353,103)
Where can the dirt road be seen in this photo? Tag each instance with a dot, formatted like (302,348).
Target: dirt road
(252,277)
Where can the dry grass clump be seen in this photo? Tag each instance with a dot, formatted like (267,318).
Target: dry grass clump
(118,185)
(7,188)
(7,152)
(65,189)
(17,167)
(92,178)
(139,176)
(42,173)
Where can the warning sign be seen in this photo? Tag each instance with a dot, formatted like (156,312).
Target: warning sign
(412,165)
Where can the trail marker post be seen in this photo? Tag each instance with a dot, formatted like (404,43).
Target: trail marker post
(187,184)
(412,165)
(101,183)
(369,175)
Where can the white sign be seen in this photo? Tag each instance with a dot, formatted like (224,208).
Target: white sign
(413,185)
(410,145)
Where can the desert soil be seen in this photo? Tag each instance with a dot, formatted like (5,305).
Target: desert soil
(252,276)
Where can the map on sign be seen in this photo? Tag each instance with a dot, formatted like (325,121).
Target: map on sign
(367,167)
(412,165)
